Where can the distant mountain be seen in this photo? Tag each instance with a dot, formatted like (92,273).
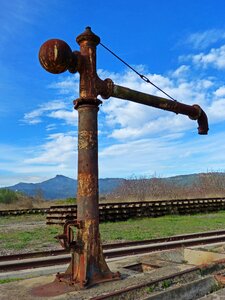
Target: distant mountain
(188,180)
(62,187)
(183,180)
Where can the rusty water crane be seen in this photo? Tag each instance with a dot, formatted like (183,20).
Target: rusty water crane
(88,265)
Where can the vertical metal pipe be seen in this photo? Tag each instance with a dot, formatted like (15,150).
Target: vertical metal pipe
(87,194)
(88,265)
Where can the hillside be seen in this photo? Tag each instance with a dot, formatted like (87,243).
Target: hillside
(62,187)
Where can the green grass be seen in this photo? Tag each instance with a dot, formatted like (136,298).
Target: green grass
(34,239)
(7,280)
(148,228)
(38,238)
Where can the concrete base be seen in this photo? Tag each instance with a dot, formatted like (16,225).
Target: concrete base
(163,274)
(189,291)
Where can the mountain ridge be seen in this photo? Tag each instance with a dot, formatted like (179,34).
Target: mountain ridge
(62,187)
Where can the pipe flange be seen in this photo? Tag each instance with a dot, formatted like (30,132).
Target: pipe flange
(84,101)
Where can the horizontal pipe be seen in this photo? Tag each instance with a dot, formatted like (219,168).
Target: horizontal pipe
(194,112)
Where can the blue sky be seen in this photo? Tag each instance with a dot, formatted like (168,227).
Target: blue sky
(179,45)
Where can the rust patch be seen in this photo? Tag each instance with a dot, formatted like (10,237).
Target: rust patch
(88,266)
(220,279)
(87,184)
(51,289)
(87,139)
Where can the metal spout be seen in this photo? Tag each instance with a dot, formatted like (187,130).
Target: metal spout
(203,123)
(194,112)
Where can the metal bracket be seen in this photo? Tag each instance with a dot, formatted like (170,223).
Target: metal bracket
(66,239)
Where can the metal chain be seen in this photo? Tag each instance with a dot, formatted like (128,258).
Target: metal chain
(143,77)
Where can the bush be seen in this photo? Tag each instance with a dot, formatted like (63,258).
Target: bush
(211,184)
(68,201)
(8,196)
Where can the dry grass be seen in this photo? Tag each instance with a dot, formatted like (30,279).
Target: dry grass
(30,202)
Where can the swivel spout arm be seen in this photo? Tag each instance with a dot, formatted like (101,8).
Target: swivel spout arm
(56,57)
(194,112)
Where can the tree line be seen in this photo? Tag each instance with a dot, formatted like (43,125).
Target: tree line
(206,185)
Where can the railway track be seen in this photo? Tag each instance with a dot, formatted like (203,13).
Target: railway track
(59,257)
(17,212)
(126,210)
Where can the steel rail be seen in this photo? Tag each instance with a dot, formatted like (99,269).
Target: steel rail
(121,205)
(126,210)
(51,253)
(58,257)
(15,212)
(125,291)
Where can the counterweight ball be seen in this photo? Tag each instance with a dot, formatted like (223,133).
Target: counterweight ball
(56,56)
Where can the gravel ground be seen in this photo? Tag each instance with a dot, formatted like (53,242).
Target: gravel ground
(24,225)
(21,226)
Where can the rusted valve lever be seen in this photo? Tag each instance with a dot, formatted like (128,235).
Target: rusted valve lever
(66,239)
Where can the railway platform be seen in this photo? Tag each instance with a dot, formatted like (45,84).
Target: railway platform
(184,273)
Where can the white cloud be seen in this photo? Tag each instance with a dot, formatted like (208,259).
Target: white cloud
(216,111)
(204,39)
(59,149)
(13,179)
(136,157)
(67,86)
(14,170)
(214,58)
(220,92)
(55,110)
(162,126)
(166,155)
(70,117)
(58,155)
(50,127)
(181,71)
(34,117)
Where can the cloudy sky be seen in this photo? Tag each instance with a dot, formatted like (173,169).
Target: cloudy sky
(178,45)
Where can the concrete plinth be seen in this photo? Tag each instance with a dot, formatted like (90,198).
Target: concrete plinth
(152,276)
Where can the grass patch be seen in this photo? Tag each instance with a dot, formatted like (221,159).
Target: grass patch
(38,238)
(7,280)
(68,201)
(147,228)
(34,239)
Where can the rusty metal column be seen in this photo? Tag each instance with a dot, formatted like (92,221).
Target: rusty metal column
(88,264)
